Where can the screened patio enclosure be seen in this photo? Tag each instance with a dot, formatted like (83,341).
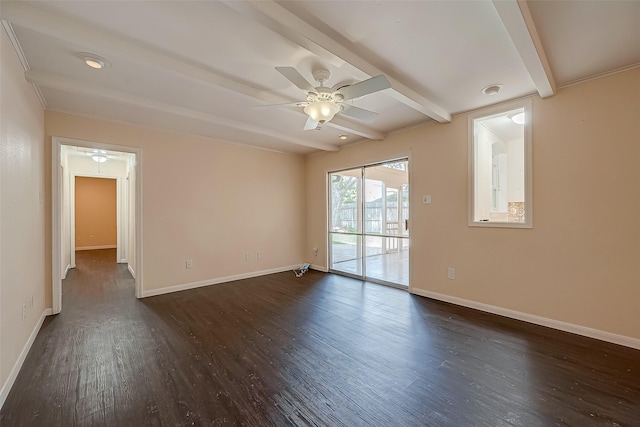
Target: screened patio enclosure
(369,222)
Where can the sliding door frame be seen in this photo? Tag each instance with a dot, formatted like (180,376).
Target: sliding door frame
(362,234)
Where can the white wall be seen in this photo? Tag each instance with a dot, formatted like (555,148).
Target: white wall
(515,171)
(131,210)
(65,225)
(85,166)
(505,170)
(22,214)
(484,171)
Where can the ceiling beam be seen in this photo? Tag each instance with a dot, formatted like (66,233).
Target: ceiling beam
(277,18)
(516,17)
(71,31)
(343,124)
(68,85)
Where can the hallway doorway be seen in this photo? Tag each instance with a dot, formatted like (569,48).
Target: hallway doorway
(95,213)
(74,162)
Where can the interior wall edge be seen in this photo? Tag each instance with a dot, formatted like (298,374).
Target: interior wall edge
(530,318)
(66,271)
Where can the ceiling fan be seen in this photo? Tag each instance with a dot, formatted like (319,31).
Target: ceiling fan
(323,103)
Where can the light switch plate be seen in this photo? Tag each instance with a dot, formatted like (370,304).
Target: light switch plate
(451,273)
(426,199)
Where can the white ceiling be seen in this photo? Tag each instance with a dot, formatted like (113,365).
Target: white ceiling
(201,67)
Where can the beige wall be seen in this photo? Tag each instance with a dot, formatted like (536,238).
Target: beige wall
(22,210)
(95,212)
(579,264)
(204,200)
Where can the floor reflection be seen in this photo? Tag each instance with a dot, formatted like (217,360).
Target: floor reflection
(389,267)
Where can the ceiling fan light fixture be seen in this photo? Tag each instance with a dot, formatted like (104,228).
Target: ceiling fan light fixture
(324,102)
(322,111)
(342,136)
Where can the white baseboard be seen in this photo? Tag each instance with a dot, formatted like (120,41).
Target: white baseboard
(4,392)
(133,273)
(216,281)
(66,270)
(90,248)
(530,318)
(319,268)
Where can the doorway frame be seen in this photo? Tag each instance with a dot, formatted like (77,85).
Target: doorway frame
(119,211)
(56,214)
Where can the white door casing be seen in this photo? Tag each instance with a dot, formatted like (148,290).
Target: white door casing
(134,256)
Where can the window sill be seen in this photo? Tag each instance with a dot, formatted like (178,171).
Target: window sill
(497,224)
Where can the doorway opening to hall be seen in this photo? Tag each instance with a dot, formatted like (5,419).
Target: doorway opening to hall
(97,220)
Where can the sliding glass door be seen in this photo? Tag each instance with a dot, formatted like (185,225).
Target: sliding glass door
(368,222)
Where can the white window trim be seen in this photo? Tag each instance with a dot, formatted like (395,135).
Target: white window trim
(528,174)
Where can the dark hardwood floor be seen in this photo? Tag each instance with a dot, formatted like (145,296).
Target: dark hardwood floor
(317,350)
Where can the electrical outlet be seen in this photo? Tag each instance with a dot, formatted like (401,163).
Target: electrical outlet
(315,251)
(247,256)
(189,264)
(91,237)
(451,273)
(258,255)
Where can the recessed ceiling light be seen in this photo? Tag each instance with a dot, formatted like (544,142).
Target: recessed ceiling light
(492,90)
(94,61)
(343,137)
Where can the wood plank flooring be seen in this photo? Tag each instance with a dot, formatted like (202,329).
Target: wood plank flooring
(321,350)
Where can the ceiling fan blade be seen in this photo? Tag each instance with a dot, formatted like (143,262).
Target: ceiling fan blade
(365,87)
(296,78)
(311,124)
(288,104)
(359,113)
